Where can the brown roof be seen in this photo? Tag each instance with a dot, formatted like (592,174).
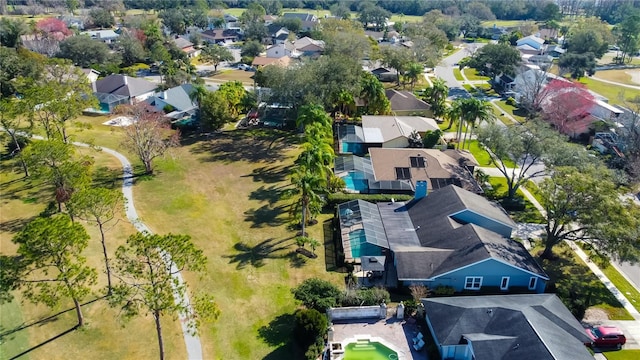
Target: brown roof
(264,61)
(440,169)
(405,100)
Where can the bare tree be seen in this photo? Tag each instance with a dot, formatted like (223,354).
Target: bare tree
(531,85)
(149,135)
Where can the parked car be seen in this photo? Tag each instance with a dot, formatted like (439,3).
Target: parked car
(606,336)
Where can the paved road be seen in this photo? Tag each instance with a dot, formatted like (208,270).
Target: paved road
(444,70)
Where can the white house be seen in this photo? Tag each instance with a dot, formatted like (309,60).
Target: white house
(106,36)
(281,50)
(531,40)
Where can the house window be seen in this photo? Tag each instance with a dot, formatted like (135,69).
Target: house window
(504,283)
(417,161)
(533,281)
(473,282)
(403,173)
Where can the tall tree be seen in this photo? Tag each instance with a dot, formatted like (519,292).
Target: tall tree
(53,162)
(577,65)
(214,111)
(11,30)
(147,267)
(15,64)
(131,48)
(413,73)
(252,21)
(251,48)
(371,14)
(584,205)
(85,52)
(233,93)
(58,97)
(98,205)
(51,264)
(397,58)
(590,35)
(471,111)
(527,146)
(101,18)
(12,123)
(215,54)
(373,95)
(149,136)
(627,34)
(436,97)
(568,103)
(496,59)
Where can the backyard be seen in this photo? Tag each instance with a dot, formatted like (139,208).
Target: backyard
(225,192)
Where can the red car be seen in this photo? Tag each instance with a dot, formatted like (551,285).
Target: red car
(606,336)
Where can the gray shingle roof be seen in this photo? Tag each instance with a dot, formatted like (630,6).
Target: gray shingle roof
(124,85)
(404,101)
(450,245)
(526,327)
(178,97)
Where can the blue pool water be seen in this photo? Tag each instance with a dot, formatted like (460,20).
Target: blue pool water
(353,148)
(360,247)
(354,181)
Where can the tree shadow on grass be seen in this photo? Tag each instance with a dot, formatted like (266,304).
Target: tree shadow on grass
(15,225)
(296,260)
(44,343)
(330,256)
(257,254)
(271,194)
(270,174)
(266,215)
(254,145)
(279,332)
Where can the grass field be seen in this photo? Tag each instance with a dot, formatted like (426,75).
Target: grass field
(529,215)
(623,285)
(472,75)
(511,110)
(622,76)
(504,23)
(482,156)
(457,74)
(25,326)
(232,75)
(622,355)
(617,95)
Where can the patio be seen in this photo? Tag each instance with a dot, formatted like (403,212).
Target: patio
(396,332)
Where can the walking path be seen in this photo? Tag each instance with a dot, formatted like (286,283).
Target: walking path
(192,342)
(616,83)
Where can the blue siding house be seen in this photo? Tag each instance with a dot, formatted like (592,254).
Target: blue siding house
(450,237)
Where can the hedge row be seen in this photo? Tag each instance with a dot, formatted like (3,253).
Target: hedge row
(339,198)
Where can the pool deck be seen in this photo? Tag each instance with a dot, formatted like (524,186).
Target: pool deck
(398,333)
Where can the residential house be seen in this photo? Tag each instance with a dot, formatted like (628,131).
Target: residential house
(309,47)
(175,102)
(285,49)
(119,89)
(186,46)
(406,103)
(106,36)
(72,21)
(385,75)
(498,31)
(308,21)
(448,237)
(523,327)
(230,21)
(398,170)
(541,60)
(91,74)
(260,61)
(505,81)
(532,41)
(220,36)
(555,51)
(269,19)
(280,36)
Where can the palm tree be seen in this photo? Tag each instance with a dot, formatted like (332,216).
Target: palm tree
(454,113)
(313,114)
(197,94)
(373,96)
(436,96)
(471,112)
(317,156)
(414,70)
(308,185)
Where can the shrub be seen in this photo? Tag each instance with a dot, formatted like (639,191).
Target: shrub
(511,101)
(339,198)
(317,294)
(443,290)
(365,297)
(309,331)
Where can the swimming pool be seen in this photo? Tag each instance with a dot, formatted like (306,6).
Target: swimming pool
(368,350)
(352,148)
(360,247)
(355,181)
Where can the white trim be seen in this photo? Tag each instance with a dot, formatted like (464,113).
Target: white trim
(535,283)
(506,286)
(473,282)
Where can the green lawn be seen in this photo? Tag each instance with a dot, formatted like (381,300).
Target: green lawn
(505,23)
(405,18)
(511,110)
(457,74)
(622,355)
(571,279)
(617,95)
(529,215)
(472,75)
(499,115)
(628,290)
(482,156)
